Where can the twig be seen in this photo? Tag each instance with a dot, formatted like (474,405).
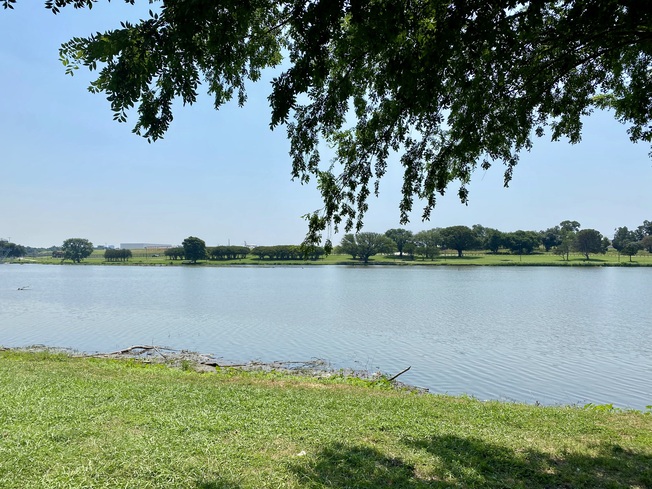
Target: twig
(156,349)
(400,373)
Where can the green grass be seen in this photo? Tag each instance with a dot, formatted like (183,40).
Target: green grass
(73,422)
(449,258)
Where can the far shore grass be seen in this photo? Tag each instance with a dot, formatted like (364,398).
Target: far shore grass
(70,422)
(156,257)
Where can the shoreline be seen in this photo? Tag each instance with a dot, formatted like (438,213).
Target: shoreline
(207,363)
(319,369)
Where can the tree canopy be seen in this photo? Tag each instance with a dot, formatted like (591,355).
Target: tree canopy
(76,249)
(11,250)
(365,245)
(194,249)
(459,238)
(589,241)
(446,85)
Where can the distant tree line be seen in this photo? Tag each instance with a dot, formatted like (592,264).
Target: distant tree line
(194,249)
(11,250)
(175,253)
(288,252)
(563,239)
(117,255)
(227,252)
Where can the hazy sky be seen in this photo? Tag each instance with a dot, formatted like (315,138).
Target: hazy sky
(68,170)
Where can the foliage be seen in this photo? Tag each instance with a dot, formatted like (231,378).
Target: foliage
(76,249)
(447,85)
(488,238)
(569,226)
(646,243)
(565,247)
(551,237)
(365,245)
(175,253)
(11,250)
(288,252)
(567,238)
(428,243)
(401,238)
(117,255)
(622,237)
(459,238)
(522,242)
(194,249)
(631,249)
(644,230)
(644,235)
(588,241)
(228,252)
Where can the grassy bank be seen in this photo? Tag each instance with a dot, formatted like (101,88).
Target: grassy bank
(74,422)
(157,258)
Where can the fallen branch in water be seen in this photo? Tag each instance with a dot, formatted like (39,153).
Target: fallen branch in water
(400,373)
(144,348)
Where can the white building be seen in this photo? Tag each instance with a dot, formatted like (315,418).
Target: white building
(142,246)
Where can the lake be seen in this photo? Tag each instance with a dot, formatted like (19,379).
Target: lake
(553,335)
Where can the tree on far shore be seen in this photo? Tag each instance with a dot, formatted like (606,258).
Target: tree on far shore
(459,238)
(631,249)
(588,241)
(76,249)
(174,253)
(401,237)
(194,249)
(365,245)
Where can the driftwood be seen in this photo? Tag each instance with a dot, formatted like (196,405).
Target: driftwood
(400,373)
(200,359)
(144,348)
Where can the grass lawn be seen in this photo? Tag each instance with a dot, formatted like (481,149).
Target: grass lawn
(88,423)
(156,257)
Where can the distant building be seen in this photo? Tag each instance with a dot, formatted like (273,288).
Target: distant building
(142,246)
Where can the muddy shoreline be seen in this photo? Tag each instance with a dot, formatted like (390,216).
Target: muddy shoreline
(208,363)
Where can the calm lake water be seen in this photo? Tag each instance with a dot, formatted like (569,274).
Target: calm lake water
(547,334)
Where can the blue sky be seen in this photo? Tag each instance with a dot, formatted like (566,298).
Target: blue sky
(68,170)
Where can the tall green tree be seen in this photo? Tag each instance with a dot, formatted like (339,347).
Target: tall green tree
(564,248)
(646,243)
(76,249)
(622,237)
(194,249)
(631,249)
(551,237)
(522,242)
(569,226)
(365,245)
(495,240)
(459,238)
(589,241)
(644,230)
(401,237)
(428,243)
(448,85)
